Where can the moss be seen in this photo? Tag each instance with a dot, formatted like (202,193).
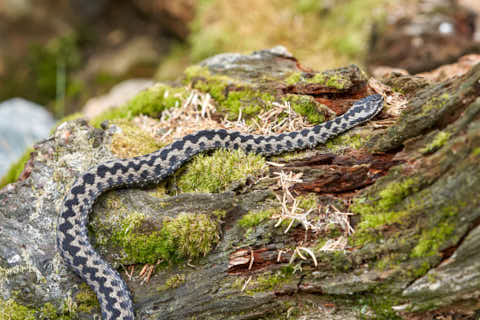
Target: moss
(16,169)
(237,99)
(431,240)
(476,152)
(185,236)
(216,172)
(11,310)
(327,79)
(381,305)
(294,78)
(435,103)
(201,79)
(379,209)
(160,191)
(132,141)
(86,299)
(254,218)
(421,270)
(307,202)
(192,235)
(269,281)
(173,282)
(248,102)
(305,106)
(150,102)
(354,141)
(440,139)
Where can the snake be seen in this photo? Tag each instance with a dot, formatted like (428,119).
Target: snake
(72,236)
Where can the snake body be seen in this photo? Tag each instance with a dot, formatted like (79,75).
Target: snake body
(72,239)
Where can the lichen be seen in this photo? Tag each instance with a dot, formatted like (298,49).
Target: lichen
(435,103)
(132,141)
(438,141)
(150,102)
(173,282)
(216,172)
(70,117)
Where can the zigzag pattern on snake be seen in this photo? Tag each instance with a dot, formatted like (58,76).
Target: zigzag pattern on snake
(72,239)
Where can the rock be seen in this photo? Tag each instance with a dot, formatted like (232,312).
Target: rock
(118,95)
(22,123)
(423,36)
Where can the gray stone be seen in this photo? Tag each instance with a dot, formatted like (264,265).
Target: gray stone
(22,123)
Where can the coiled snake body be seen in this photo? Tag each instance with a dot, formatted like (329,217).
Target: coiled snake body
(72,239)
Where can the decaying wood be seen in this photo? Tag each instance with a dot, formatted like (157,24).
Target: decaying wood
(409,247)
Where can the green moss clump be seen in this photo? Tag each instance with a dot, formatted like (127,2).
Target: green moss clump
(216,172)
(254,218)
(150,102)
(201,79)
(191,235)
(86,299)
(16,169)
(378,212)
(440,139)
(237,99)
(247,102)
(11,310)
(332,80)
(294,78)
(307,107)
(132,141)
(185,236)
(353,141)
(476,152)
(430,240)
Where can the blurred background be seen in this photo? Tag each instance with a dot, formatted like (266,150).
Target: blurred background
(60,57)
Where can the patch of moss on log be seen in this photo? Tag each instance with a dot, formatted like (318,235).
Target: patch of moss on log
(150,102)
(216,172)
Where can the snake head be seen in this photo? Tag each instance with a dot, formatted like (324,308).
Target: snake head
(366,108)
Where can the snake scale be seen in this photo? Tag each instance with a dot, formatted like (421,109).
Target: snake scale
(72,239)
